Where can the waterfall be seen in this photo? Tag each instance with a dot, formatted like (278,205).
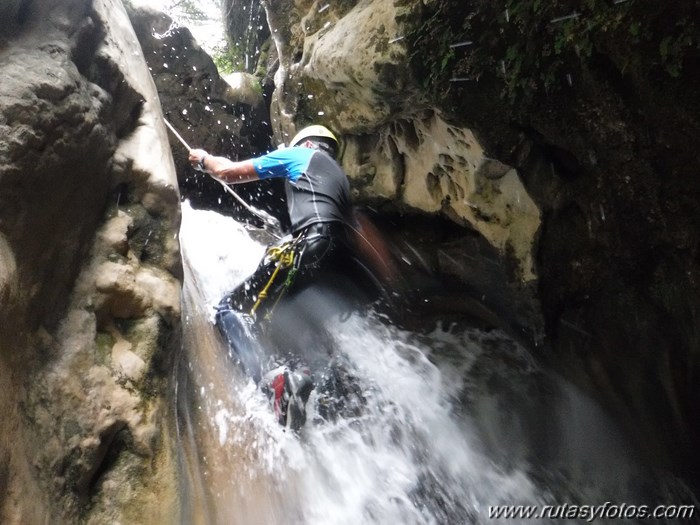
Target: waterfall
(438,427)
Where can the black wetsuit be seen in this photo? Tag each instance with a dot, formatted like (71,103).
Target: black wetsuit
(320,209)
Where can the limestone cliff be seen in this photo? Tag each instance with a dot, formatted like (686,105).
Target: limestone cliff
(89,271)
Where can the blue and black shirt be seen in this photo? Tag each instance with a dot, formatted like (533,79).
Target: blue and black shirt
(317,188)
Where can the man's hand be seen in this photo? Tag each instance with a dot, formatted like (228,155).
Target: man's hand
(196,158)
(223,168)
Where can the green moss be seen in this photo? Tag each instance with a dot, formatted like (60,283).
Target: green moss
(146,235)
(103,348)
(261,69)
(308,108)
(228,59)
(71,428)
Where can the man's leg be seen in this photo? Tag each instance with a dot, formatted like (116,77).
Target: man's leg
(235,321)
(244,296)
(236,330)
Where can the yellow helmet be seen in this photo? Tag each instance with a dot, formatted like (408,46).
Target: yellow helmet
(315,131)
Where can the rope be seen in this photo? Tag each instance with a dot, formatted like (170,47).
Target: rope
(263,293)
(268,219)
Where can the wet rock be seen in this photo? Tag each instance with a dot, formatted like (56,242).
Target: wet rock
(247,32)
(228,119)
(425,164)
(90,269)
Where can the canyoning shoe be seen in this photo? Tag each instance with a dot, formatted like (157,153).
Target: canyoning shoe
(299,386)
(289,391)
(276,386)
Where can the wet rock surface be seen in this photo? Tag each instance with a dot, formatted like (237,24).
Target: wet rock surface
(90,271)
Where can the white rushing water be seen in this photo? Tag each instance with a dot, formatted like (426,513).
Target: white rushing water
(426,438)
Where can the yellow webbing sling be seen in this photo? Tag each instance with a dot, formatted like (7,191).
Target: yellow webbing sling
(286,256)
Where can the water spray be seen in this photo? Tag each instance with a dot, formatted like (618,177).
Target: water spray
(268,219)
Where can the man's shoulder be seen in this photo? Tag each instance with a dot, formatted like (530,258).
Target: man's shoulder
(289,154)
(290,163)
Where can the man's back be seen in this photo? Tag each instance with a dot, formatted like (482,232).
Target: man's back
(317,188)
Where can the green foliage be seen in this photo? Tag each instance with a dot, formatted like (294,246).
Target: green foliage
(226,59)
(545,41)
(534,46)
(674,46)
(433,35)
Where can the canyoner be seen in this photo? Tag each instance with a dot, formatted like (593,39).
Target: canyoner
(330,262)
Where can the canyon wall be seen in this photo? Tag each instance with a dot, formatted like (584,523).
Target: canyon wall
(89,271)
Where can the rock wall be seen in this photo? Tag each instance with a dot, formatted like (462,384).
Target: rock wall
(422,163)
(555,131)
(89,271)
(247,33)
(225,116)
(588,109)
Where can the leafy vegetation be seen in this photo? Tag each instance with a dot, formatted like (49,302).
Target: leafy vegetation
(534,46)
(227,59)
(242,21)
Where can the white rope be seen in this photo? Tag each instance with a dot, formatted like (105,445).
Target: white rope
(268,219)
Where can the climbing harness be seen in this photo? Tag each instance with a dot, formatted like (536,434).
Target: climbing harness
(286,256)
